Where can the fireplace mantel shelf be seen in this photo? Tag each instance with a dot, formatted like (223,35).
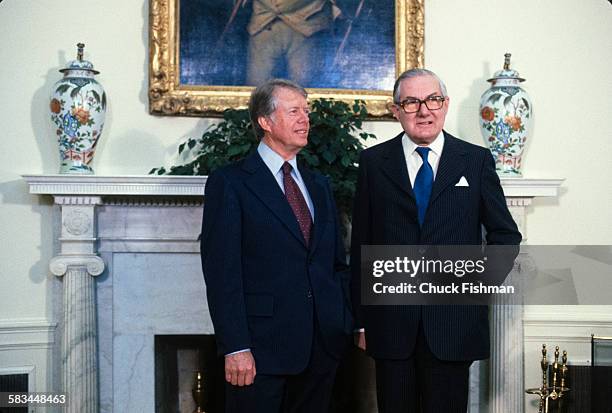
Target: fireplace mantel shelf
(165,185)
(136,185)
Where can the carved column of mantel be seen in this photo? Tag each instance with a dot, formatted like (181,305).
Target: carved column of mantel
(78,264)
(506,378)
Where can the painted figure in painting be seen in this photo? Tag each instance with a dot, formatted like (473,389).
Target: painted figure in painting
(289,34)
(316,43)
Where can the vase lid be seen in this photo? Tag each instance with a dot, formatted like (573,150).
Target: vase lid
(506,72)
(79,63)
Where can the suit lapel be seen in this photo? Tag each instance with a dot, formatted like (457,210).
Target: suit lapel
(450,167)
(265,187)
(320,204)
(395,166)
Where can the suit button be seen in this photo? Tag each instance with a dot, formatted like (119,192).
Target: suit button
(309,294)
(422,250)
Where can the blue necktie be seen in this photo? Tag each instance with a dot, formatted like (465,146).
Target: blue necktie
(423,183)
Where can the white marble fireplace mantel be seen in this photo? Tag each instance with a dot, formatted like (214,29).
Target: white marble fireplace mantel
(133,185)
(129,259)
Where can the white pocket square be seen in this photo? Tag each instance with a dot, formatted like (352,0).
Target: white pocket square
(462,182)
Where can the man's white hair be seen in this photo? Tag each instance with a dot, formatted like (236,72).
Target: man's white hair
(412,73)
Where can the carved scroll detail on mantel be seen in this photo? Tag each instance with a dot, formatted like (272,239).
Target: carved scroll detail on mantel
(77,222)
(93,264)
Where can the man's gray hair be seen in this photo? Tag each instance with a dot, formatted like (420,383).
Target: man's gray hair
(263,100)
(412,73)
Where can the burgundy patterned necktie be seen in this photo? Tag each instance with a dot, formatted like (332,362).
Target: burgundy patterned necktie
(297,202)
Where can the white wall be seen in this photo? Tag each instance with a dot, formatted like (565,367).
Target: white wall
(560,47)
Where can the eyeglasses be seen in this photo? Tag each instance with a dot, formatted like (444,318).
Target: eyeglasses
(414,105)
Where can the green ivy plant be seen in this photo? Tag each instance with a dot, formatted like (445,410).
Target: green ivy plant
(334,143)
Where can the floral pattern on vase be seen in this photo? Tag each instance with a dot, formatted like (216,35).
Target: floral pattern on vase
(78,110)
(505,111)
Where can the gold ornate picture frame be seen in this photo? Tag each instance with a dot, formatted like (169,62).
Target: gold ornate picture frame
(168,95)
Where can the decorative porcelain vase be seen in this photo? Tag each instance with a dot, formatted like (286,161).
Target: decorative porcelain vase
(78,109)
(505,113)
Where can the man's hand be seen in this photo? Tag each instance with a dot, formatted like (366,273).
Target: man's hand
(360,340)
(240,368)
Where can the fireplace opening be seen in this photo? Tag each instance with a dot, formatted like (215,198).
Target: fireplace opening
(13,383)
(178,360)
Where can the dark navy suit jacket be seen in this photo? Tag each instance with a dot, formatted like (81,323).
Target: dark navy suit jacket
(264,285)
(385,213)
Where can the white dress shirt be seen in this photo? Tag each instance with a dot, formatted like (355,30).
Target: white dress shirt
(414,160)
(275,162)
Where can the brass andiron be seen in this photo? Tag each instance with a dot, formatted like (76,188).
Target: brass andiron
(198,394)
(553,393)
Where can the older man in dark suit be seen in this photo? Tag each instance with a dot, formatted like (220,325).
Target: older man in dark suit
(425,187)
(274,265)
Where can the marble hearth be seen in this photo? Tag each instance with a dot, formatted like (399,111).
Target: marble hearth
(128,256)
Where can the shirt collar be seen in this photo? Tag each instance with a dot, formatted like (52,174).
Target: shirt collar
(436,146)
(273,161)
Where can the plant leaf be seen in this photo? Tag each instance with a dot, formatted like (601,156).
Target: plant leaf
(525,103)
(62,88)
(334,143)
(75,92)
(96,96)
